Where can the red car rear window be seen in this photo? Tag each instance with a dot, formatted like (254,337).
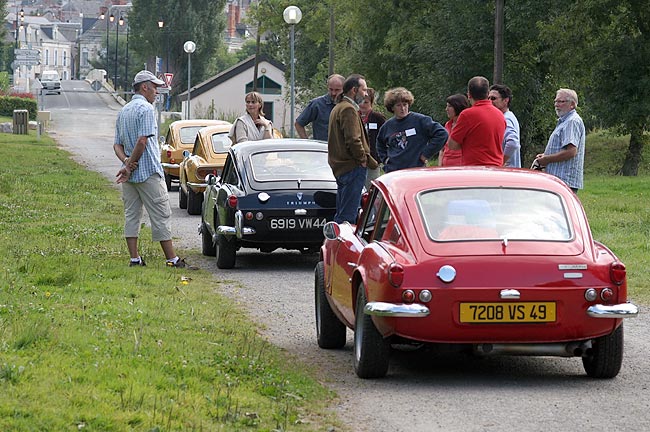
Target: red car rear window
(494,214)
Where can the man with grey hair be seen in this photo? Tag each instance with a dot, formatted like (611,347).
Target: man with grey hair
(565,152)
(141,175)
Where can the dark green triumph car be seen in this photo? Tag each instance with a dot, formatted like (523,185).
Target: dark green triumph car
(276,193)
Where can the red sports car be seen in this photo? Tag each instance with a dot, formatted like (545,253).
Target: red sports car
(493,260)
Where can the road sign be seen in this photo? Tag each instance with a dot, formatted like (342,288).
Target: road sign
(168,79)
(28,52)
(27,62)
(27,57)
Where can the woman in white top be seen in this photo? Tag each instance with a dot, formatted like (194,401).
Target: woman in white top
(252,126)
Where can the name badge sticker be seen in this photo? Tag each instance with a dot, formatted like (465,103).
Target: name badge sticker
(372,126)
(410,132)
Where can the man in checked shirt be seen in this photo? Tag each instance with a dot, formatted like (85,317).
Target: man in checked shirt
(142,176)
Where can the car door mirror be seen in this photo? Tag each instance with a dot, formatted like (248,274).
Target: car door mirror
(186,153)
(331,231)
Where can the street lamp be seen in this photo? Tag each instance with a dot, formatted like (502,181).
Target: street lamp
(161,24)
(108,19)
(117,34)
(126,64)
(292,16)
(189,48)
(19,28)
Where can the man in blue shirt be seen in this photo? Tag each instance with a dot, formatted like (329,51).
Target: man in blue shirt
(142,176)
(501,97)
(318,110)
(565,152)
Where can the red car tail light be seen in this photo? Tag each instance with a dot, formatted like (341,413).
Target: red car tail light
(232,201)
(606,294)
(248,216)
(396,275)
(408,296)
(169,154)
(617,272)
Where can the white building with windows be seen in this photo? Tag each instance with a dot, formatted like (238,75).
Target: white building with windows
(222,96)
(54,40)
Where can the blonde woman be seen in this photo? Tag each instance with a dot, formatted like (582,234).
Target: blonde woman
(252,126)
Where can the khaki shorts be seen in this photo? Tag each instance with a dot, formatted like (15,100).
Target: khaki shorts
(151,195)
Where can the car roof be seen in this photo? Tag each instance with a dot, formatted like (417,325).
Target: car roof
(401,187)
(197,122)
(417,179)
(210,130)
(246,148)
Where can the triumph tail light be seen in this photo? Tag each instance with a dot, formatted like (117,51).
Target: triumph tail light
(232,201)
(408,296)
(169,154)
(606,294)
(396,275)
(202,172)
(617,272)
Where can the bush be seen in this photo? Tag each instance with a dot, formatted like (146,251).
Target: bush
(10,103)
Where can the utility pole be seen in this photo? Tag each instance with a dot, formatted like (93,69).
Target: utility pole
(498,42)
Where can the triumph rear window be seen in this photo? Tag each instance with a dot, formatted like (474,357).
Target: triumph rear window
(493,214)
(188,134)
(291,165)
(221,142)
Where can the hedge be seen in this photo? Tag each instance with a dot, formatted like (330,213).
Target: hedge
(10,103)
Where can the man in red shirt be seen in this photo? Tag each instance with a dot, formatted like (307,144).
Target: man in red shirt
(479,130)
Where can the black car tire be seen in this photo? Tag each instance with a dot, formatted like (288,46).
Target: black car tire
(226,252)
(194,202)
(330,331)
(605,357)
(207,245)
(182,198)
(168,182)
(371,350)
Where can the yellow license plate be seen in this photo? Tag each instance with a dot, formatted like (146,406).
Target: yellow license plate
(520,312)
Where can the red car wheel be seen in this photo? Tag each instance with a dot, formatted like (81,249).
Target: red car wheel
(330,332)
(371,350)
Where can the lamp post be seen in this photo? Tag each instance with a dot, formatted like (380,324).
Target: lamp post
(117,34)
(292,16)
(108,21)
(126,63)
(161,24)
(189,47)
(19,27)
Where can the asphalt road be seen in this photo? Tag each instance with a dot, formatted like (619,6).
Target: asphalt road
(423,391)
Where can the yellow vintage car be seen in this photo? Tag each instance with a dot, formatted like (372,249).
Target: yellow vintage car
(207,157)
(181,136)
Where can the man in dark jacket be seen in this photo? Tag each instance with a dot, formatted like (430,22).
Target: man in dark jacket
(348,150)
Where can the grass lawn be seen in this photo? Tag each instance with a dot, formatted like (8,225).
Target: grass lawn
(87,343)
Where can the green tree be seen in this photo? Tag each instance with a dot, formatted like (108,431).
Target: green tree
(434,47)
(311,41)
(201,21)
(602,48)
